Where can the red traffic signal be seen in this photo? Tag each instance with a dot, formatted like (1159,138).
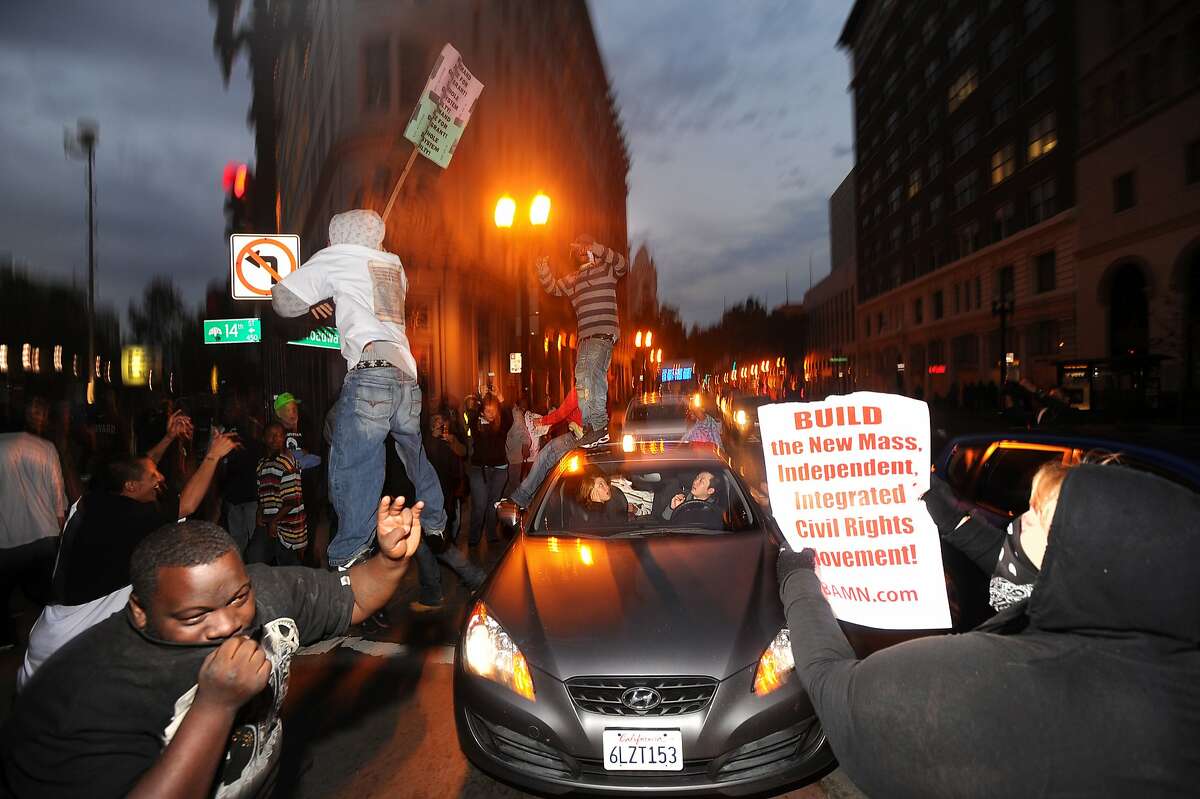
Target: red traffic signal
(233,180)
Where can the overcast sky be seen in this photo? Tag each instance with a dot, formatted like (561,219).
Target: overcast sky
(739,125)
(736,112)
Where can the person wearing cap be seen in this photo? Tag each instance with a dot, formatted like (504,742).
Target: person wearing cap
(287,411)
(363,287)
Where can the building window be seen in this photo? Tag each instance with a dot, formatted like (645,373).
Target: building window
(1006,283)
(1191,158)
(914,182)
(1039,73)
(1124,196)
(377,74)
(918,311)
(1002,105)
(1036,12)
(965,350)
(894,200)
(933,71)
(879,322)
(935,209)
(957,297)
(965,137)
(1003,164)
(892,120)
(968,238)
(1000,47)
(889,86)
(939,306)
(966,191)
(1145,86)
(961,35)
(962,88)
(915,223)
(914,94)
(1043,201)
(1120,98)
(935,164)
(1004,221)
(893,162)
(895,237)
(929,29)
(1043,137)
(978,293)
(1044,265)
(914,138)
(1043,337)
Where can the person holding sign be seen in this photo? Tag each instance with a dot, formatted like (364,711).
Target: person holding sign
(1091,692)
(380,396)
(592,290)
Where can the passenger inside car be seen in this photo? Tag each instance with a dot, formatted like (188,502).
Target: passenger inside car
(599,501)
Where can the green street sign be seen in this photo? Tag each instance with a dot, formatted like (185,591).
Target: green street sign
(325,338)
(232,331)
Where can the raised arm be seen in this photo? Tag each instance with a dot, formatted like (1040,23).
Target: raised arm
(178,426)
(564,411)
(398,530)
(193,493)
(559,287)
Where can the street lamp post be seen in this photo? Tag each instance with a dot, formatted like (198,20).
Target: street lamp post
(1003,308)
(539,217)
(81,143)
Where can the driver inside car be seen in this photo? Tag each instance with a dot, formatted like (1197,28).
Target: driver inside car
(699,506)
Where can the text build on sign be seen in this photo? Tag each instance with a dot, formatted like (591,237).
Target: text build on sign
(845,478)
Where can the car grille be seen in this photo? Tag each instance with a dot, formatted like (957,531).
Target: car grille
(522,752)
(679,694)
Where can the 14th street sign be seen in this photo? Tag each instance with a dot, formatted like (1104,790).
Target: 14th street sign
(232,331)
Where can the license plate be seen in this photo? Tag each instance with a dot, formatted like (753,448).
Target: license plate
(643,750)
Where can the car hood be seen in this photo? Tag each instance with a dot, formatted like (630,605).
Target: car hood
(663,605)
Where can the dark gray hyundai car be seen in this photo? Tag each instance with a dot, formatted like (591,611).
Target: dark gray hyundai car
(631,640)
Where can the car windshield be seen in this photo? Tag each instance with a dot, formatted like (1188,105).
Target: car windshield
(641,499)
(668,412)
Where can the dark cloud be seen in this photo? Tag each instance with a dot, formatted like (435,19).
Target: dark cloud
(146,72)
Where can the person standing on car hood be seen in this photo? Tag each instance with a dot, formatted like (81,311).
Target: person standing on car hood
(1096,694)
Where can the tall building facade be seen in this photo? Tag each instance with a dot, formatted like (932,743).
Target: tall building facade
(1139,224)
(829,307)
(965,135)
(546,122)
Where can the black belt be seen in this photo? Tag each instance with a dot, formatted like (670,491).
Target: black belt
(373,365)
(609,336)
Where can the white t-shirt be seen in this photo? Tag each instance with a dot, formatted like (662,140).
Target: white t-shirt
(368,287)
(32,499)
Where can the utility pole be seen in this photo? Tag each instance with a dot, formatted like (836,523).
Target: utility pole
(82,144)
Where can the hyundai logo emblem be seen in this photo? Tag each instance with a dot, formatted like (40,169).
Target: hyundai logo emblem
(641,699)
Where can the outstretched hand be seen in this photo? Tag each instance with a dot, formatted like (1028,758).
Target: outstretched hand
(398,528)
(790,562)
(943,506)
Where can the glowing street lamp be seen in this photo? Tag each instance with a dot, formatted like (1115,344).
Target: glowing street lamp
(506,210)
(637,340)
(539,210)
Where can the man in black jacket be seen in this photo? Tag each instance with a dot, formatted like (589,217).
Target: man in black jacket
(1095,693)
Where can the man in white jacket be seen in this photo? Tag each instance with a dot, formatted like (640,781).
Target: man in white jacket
(380,396)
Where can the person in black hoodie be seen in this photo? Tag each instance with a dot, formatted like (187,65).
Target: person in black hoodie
(1094,691)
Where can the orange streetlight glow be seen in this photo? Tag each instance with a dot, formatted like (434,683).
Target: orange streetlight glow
(539,211)
(506,209)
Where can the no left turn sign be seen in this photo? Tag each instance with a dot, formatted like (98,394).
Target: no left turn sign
(259,261)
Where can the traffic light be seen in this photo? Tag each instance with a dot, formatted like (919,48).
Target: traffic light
(237,181)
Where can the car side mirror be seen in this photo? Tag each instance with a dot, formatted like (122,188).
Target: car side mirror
(510,516)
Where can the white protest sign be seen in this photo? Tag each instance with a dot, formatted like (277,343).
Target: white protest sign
(845,478)
(445,107)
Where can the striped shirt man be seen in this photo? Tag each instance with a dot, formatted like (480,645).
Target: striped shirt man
(592,291)
(281,499)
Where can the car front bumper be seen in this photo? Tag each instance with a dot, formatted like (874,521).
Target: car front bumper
(740,744)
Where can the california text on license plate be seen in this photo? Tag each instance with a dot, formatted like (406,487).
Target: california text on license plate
(643,750)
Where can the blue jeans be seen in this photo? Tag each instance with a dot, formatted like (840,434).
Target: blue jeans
(374,404)
(430,577)
(548,457)
(487,486)
(591,380)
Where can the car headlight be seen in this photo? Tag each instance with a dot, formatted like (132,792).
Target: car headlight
(741,418)
(776,664)
(489,652)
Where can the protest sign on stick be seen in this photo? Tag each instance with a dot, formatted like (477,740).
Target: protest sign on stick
(845,477)
(441,115)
